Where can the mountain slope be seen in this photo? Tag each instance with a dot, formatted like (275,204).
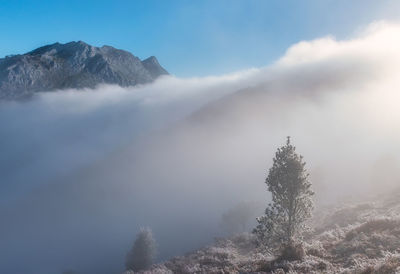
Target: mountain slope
(73,65)
(355,238)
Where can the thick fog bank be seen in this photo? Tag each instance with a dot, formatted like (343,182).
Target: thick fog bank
(83,170)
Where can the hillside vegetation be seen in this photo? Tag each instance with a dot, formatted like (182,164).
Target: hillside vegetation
(353,238)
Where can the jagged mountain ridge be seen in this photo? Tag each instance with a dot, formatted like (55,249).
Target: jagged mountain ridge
(73,65)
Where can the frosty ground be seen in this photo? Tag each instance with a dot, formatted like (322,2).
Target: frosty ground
(355,237)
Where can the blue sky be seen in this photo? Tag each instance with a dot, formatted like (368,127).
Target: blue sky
(190,38)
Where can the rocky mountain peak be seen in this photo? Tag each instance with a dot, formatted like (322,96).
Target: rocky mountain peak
(152,65)
(73,65)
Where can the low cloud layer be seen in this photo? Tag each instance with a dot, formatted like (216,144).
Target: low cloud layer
(83,170)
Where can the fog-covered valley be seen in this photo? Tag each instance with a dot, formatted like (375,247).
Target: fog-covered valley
(83,170)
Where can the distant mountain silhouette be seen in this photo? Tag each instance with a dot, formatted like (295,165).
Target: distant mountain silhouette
(73,65)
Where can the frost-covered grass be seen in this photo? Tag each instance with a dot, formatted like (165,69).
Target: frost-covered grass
(353,239)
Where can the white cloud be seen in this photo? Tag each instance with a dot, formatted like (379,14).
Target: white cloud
(118,158)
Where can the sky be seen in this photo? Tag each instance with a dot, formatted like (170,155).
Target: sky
(190,38)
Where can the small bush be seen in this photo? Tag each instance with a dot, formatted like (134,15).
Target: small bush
(315,249)
(389,266)
(292,252)
(368,270)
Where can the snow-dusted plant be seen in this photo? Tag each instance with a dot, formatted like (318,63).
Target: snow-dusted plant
(292,204)
(143,252)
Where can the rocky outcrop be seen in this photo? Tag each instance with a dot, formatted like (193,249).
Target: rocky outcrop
(73,65)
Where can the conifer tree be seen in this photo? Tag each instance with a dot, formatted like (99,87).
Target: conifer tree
(143,252)
(291,205)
